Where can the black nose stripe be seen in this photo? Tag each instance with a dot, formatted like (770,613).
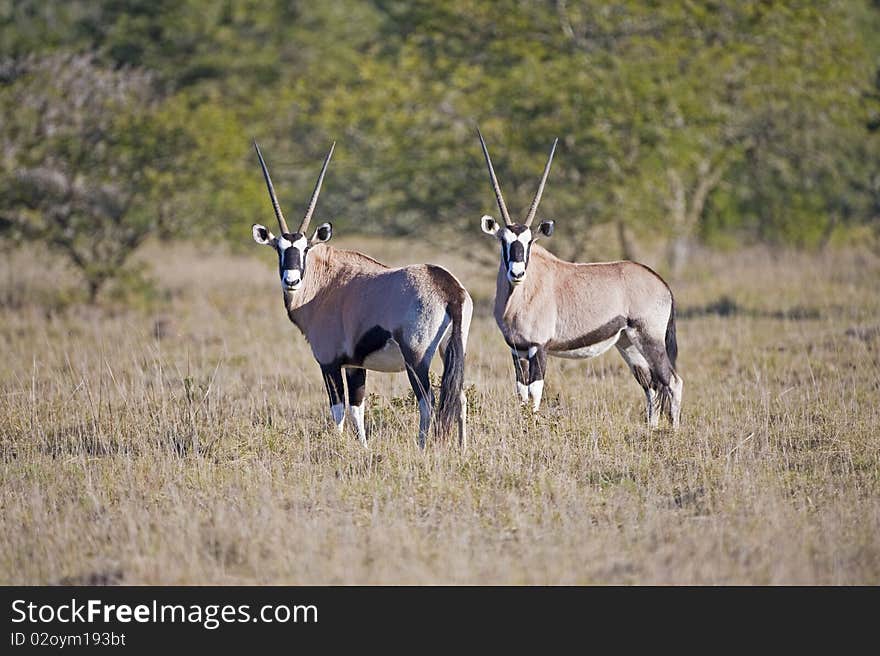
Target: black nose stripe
(291,259)
(517,252)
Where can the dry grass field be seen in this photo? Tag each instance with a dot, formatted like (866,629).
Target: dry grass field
(186,440)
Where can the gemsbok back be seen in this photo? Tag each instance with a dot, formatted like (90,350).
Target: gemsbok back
(546,306)
(358,314)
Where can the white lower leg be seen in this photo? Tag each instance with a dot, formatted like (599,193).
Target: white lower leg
(536,389)
(462,423)
(523,392)
(653,411)
(338,412)
(424,421)
(357,415)
(676,387)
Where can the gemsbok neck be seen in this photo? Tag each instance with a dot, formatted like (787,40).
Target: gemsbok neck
(329,269)
(507,295)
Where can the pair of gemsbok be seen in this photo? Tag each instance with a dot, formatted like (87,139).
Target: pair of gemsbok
(358,314)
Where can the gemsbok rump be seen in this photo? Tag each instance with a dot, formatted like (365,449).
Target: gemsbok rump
(546,306)
(358,314)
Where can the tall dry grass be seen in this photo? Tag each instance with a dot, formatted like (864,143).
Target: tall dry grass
(188,440)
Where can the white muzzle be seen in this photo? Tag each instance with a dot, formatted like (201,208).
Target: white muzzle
(291,279)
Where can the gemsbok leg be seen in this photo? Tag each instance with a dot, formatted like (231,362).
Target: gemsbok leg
(421,385)
(356,381)
(336,393)
(676,388)
(530,374)
(665,383)
(641,370)
(521,368)
(537,367)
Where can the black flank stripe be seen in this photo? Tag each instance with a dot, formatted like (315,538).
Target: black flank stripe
(602,333)
(372,340)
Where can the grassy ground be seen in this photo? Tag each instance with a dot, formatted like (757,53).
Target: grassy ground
(188,441)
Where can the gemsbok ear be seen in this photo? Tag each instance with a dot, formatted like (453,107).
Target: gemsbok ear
(322,234)
(262,235)
(546,228)
(489,225)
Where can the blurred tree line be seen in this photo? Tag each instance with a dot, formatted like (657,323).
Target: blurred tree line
(724,122)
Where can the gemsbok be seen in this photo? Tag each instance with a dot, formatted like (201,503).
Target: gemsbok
(358,314)
(546,306)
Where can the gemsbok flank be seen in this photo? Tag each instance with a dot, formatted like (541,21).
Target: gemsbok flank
(546,306)
(358,314)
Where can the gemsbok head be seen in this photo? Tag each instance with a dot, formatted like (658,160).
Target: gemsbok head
(293,248)
(516,238)
(358,314)
(546,306)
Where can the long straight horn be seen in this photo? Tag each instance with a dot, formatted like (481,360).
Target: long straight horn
(534,208)
(495,186)
(316,192)
(281,222)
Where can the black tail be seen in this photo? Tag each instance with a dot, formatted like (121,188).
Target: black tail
(671,344)
(449,408)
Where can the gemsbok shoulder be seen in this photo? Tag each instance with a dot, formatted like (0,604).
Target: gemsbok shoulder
(546,306)
(358,314)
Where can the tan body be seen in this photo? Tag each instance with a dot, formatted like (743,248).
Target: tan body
(577,310)
(561,302)
(346,294)
(358,314)
(546,306)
